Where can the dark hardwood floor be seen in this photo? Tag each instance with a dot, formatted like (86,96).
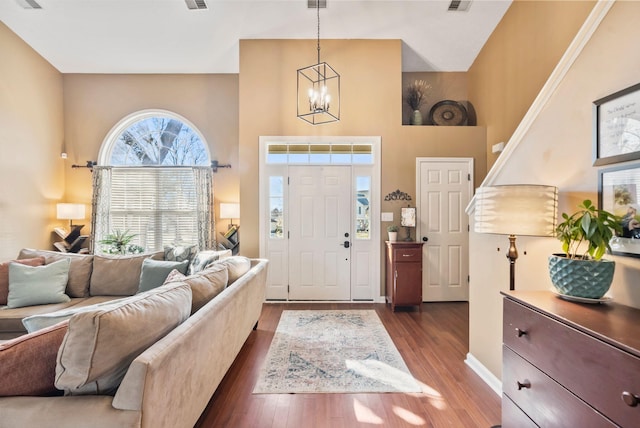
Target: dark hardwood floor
(433,343)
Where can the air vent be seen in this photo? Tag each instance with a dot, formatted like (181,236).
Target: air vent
(29,4)
(313,4)
(196,4)
(459,5)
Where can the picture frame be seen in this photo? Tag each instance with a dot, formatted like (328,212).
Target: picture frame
(408,217)
(616,127)
(619,194)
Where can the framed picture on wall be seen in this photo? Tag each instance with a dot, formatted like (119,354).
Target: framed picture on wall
(616,127)
(619,193)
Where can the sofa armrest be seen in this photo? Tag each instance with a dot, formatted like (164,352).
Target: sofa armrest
(72,411)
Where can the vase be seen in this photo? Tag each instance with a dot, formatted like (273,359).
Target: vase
(393,236)
(581,278)
(416,118)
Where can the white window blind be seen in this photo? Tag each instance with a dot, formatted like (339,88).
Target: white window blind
(159,205)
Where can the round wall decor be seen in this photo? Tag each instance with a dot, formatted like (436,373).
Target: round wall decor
(448,113)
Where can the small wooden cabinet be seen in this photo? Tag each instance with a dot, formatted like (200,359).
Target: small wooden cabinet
(404,274)
(568,364)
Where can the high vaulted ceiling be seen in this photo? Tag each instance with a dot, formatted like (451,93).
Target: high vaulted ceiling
(164,36)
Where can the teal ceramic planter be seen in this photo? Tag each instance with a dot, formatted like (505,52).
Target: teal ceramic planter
(581,278)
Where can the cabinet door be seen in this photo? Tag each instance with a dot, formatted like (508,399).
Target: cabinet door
(408,284)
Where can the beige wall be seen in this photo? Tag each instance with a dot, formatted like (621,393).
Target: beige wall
(371,105)
(556,150)
(94,103)
(518,58)
(31,135)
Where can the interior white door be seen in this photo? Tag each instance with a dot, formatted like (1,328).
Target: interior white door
(444,187)
(319,228)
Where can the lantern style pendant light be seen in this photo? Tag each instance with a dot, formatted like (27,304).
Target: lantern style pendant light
(318,90)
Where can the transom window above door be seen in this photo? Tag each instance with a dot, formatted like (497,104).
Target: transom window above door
(337,154)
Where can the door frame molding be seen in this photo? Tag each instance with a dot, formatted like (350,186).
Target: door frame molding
(375,168)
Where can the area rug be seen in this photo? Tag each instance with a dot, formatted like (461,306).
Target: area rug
(333,352)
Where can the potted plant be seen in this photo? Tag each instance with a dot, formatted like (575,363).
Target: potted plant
(118,242)
(393,232)
(581,271)
(416,98)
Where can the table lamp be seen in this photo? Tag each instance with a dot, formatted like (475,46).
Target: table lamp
(518,209)
(71,212)
(230,211)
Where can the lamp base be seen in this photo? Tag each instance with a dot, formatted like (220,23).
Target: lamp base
(408,238)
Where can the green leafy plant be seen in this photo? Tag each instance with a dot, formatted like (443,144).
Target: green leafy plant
(392,228)
(118,242)
(589,226)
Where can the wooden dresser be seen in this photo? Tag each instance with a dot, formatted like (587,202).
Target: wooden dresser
(569,364)
(404,274)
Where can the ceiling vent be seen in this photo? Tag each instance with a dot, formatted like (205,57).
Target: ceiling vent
(29,4)
(313,4)
(459,5)
(196,4)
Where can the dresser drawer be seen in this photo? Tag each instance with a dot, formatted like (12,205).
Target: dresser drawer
(513,417)
(407,255)
(545,401)
(591,369)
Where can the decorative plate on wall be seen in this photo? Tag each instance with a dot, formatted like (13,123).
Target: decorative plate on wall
(448,113)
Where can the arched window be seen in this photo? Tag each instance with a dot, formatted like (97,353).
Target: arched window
(153,180)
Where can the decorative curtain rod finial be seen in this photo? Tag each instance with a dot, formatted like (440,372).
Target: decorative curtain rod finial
(215,165)
(89,164)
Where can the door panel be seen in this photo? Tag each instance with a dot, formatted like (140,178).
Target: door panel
(320,215)
(444,190)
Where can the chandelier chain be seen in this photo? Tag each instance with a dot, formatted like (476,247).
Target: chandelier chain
(318,15)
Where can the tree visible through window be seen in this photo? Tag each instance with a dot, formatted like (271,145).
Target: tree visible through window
(154,180)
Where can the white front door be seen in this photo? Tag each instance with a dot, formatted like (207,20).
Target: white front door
(319,226)
(444,187)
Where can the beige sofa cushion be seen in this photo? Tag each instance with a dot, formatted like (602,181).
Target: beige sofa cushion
(237,266)
(28,362)
(205,285)
(100,345)
(79,272)
(118,275)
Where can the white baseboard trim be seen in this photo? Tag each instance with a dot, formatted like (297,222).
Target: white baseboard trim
(484,373)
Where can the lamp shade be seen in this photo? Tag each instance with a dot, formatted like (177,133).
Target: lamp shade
(520,209)
(70,211)
(230,211)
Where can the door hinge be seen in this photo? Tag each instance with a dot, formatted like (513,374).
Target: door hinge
(469,278)
(288,180)
(288,235)
(468,228)
(468,177)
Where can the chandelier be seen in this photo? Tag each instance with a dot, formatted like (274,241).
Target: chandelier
(318,90)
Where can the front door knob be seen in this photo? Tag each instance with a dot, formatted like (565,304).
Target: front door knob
(346,244)
(425,239)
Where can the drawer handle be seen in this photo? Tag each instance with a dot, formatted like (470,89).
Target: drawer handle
(526,384)
(520,333)
(407,255)
(630,399)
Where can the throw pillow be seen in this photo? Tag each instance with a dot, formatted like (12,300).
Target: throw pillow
(154,272)
(237,266)
(4,275)
(39,321)
(37,285)
(101,344)
(28,362)
(79,272)
(174,276)
(118,275)
(206,284)
(205,258)
(180,253)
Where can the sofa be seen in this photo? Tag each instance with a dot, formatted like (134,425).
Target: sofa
(166,382)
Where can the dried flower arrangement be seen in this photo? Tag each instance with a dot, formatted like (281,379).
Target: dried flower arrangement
(417,93)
